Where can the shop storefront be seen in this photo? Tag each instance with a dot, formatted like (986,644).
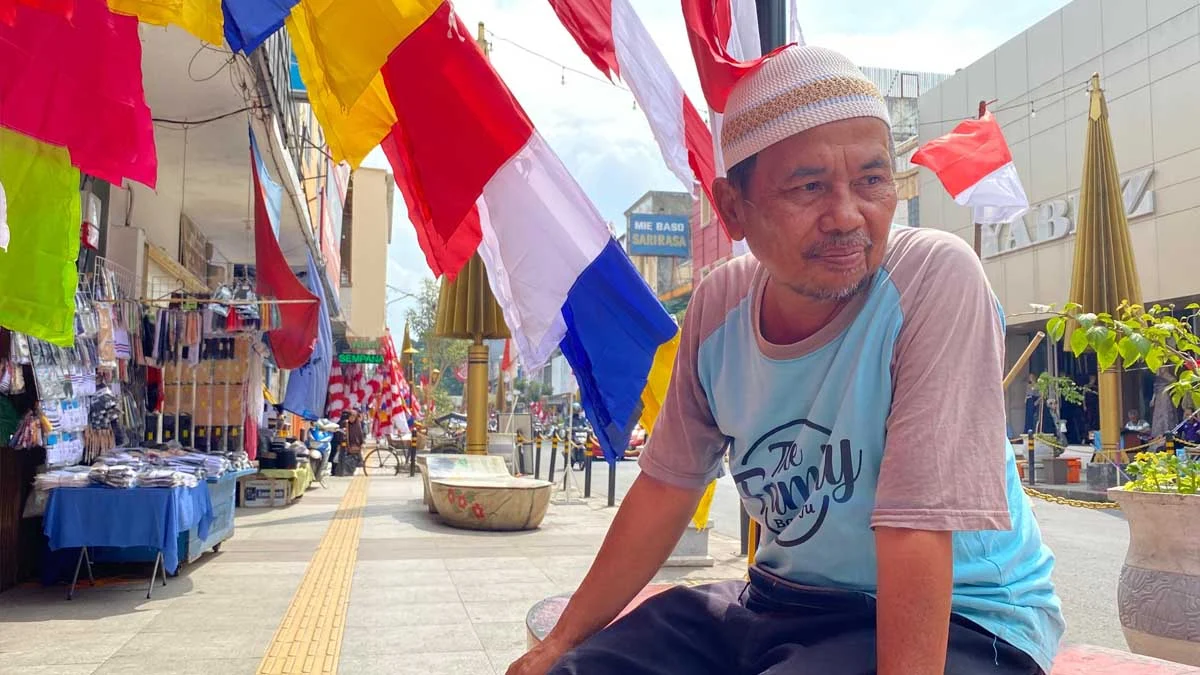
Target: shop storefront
(1148,58)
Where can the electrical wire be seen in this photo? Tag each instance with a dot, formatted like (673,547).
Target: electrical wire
(1027,103)
(557,63)
(208,120)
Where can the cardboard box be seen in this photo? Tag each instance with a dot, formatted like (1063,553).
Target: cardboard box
(261,493)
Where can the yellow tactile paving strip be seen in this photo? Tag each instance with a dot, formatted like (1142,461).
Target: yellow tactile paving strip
(309,640)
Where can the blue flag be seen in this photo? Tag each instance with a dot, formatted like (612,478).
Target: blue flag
(308,385)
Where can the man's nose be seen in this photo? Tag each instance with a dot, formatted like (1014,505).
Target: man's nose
(842,212)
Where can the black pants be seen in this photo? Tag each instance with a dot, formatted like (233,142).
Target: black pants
(767,628)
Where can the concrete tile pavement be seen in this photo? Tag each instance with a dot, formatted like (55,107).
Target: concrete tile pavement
(424,598)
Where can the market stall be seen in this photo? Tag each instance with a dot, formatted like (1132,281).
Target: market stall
(144,426)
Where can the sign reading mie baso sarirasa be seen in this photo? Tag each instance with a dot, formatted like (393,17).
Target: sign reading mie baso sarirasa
(1058,218)
(658,234)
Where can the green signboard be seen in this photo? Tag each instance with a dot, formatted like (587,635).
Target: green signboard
(346,358)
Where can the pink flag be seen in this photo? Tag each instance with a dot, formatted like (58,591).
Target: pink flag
(78,84)
(975,166)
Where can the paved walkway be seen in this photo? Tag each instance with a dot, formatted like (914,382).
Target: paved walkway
(358,578)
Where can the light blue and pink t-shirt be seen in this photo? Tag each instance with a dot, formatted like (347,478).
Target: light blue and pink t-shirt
(892,415)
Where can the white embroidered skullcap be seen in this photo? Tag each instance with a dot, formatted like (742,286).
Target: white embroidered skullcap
(795,90)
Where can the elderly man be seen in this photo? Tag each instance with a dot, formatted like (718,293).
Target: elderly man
(852,371)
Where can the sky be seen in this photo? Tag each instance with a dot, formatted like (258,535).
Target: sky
(605,141)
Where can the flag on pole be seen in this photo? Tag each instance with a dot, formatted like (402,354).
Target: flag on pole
(293,341)
(975,165)
(477,175)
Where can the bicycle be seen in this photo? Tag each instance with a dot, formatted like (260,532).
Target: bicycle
(382,461)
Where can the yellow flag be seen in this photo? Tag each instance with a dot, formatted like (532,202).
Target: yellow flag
(657,382)
(351,39)
(37,272)
(202,18)
(700,518)
(350,132)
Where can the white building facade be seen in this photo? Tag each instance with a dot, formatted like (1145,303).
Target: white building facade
(1147,53)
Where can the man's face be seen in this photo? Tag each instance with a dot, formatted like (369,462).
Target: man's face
(817,207)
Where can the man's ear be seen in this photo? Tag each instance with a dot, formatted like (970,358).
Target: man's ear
(731,206)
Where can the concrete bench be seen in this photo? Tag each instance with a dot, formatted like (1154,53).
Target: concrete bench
(491,503)
(1072,659)
(438,466)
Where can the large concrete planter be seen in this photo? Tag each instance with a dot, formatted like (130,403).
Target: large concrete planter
(1160,581)
(491,503)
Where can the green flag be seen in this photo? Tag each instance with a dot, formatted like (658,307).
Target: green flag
(37,272)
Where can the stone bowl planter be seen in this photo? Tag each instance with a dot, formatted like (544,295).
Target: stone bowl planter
(1160,581)
(491,503)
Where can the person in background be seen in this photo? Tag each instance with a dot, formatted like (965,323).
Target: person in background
(1136,424)
(1189,430)
(1031,404)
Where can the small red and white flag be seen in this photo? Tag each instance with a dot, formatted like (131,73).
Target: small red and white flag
(508,365)
(976,168)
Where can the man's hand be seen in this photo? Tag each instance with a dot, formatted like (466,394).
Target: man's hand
(538,660)
(916,578)
(645,530)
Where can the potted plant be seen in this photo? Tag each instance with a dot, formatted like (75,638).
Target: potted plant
(1160,579)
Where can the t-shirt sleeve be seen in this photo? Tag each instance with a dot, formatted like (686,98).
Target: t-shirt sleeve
(686,446)
(945,459)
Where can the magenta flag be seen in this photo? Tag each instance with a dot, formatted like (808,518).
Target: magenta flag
(78,84)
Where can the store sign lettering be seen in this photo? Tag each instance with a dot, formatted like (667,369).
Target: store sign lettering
(659,235)
(1056,218)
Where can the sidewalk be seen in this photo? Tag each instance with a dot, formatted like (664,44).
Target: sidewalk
(354,580)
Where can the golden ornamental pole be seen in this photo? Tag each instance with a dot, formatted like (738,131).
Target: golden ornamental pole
(477,398)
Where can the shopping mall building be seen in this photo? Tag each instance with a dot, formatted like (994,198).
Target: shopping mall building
(1147,53)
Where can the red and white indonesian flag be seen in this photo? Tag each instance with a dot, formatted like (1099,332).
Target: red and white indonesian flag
(726,47)
(508,364)
(612,35)
(976,168)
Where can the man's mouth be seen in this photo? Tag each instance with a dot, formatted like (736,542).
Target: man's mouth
(842,258)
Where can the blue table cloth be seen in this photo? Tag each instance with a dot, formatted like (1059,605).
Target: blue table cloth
(104,516)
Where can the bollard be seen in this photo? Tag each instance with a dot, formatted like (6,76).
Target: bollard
(612,483)
(537,457)
(1179,451)
(519,459)
(568,446)
(412,457)
(553,456)
(1029,459)
(587,469)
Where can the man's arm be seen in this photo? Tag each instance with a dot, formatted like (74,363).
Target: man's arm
(916,571)
(947,412)
(645,530)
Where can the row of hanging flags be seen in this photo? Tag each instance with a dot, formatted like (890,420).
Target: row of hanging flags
(474,172)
